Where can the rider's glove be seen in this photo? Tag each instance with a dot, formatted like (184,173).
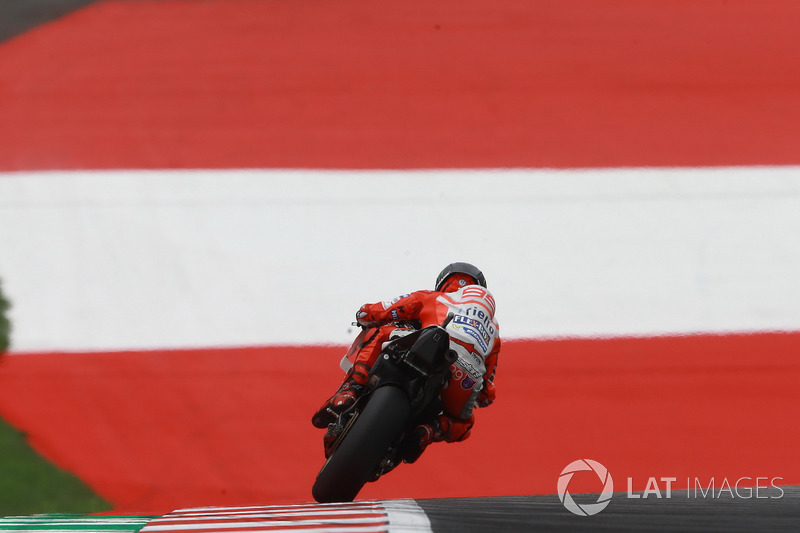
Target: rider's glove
(364,318)
(487,394)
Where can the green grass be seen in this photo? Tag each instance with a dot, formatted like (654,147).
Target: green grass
(5,323)
(29,484)
(73,523)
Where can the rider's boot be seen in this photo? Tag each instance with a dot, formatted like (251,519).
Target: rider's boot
(443,428)
(352,387)
(419,439)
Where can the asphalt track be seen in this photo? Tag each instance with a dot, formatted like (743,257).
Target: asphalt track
(679,513)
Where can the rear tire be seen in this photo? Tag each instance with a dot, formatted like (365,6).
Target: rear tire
(352,464)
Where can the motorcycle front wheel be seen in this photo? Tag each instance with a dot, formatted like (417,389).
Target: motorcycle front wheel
(354,461)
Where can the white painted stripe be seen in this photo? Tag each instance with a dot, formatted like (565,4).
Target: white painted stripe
(405,516)
(148,259)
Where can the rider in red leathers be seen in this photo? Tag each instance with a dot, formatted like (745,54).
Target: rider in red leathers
(474,335)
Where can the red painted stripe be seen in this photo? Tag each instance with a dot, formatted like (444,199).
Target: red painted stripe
(248,512)
(404,83)
(354,517)
(232,427)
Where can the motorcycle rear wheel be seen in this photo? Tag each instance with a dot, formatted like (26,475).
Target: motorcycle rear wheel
(352,464)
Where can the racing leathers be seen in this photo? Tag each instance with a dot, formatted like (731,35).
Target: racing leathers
(474,336)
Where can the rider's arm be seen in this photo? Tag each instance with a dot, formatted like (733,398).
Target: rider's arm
(406,307)
(487,394)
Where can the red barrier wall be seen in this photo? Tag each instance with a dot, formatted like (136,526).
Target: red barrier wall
(155,431)
(404,84)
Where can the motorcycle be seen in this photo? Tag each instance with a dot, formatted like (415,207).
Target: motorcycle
(371,437)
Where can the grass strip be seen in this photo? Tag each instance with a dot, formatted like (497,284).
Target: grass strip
(29,484)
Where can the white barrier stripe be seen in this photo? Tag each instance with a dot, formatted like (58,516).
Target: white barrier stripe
(406,516)
(677,250)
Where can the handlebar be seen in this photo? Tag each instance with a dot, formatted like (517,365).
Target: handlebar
(447,320)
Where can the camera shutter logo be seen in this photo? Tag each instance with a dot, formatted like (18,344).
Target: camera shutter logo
(585,509)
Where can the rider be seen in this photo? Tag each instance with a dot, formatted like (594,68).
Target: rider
(474,335)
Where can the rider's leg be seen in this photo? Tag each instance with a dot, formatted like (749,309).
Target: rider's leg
(355,381)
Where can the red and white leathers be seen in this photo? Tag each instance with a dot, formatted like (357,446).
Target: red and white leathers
(474,335)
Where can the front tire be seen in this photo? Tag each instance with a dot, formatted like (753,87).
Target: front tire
(358,455)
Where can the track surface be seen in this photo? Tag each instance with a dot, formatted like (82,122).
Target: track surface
(545,513)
